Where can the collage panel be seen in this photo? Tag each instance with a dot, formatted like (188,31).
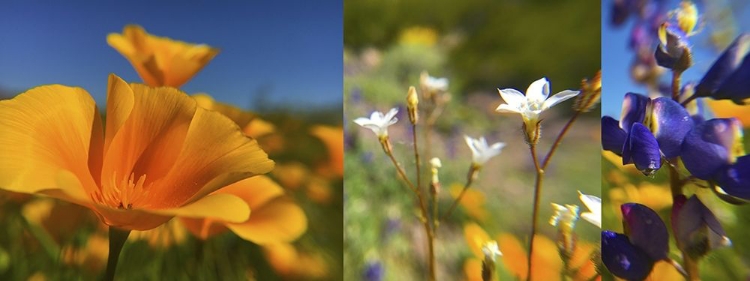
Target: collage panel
(171,141)
(676,82)
(452,112)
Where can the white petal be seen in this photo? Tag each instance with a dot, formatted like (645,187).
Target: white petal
(472,145)
(362,121)
(558,98)
(391,113)
(538,91)
(594,219)
(512,97)
(508,108)
(498,146)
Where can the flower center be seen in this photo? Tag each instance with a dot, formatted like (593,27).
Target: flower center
(123,194)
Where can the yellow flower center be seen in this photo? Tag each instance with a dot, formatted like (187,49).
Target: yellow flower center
(122,195)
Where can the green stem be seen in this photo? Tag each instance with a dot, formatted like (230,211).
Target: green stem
(469,181)
(559,139)
(117,238)
(537,197)
(425,215)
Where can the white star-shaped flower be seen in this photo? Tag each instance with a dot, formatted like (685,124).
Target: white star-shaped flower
(480,151)
(594,204)
(379,122)
(433,83)
(534,102)
(491,250)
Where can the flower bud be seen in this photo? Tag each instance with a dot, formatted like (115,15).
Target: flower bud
(590,93)
(645,230)
(624,259)
(696,228)
(411,104)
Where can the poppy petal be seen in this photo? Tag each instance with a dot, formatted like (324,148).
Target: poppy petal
(280,220)
(47,130)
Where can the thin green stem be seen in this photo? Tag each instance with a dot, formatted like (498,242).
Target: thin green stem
(537,197)
(559,139)
(469,181)
(117,238)
(425,216)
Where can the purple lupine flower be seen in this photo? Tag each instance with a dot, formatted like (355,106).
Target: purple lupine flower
(674,49)
(642,150)
(735,180)
(696,228)
(645,230)
(729,76)
(373,271)
(711,146)
(623,259)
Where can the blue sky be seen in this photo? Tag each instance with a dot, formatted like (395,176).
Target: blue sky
(616,57)
(290,50)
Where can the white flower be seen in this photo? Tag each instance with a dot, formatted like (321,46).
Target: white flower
(433,83)
(535,101)
(378,122)
(565,216)
(594,204)
(491,250)
(480,151)
(435,163)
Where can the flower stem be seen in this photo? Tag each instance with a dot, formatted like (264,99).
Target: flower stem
(425,216)
(676,85)
(537,197)
(469,181)
(559,139)
(117,238)
(675,184)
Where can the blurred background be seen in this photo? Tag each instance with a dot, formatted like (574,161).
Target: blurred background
(628,26)
(479,46)
(280,60)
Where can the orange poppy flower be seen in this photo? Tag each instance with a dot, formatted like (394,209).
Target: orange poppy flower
(160,156)
(160,61)
(333,138)
(273,218)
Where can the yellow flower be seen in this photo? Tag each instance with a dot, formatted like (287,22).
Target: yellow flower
(473,201)
(476,237)
(333,138)
(273,218)
(295,264)
(160,61)
(546,260)
(160,156)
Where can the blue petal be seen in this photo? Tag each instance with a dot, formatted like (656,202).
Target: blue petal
(708,147)
(623,259)
(727,76)
(613,137)
(735,179)
(646,230)
(633,110)
(641,149)
(670,122)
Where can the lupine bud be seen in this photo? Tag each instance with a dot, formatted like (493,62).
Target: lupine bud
(623,259)
(696,228)
(646,230)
